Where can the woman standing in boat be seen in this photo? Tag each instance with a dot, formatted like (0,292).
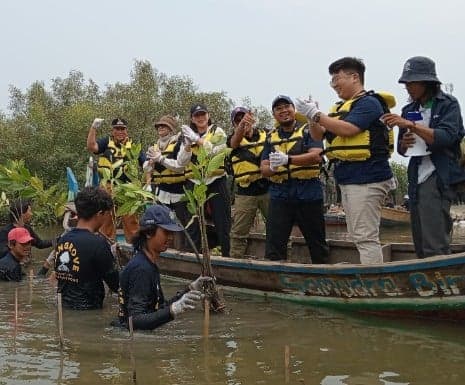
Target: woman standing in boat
(164,175)
(430,131)
(202,132)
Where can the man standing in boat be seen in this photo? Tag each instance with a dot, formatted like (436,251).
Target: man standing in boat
(430,131)
(247,142)
(291,160)
(84,259)
(113,150)
(359,144)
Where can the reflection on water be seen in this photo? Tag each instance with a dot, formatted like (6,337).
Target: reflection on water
(245,346)
(256,342)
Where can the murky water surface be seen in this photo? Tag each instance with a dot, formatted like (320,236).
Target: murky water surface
(257,341)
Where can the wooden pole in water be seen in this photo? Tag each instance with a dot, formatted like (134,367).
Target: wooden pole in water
(206,319)
(60,320)
(286,362)
(16,308)
(133,360)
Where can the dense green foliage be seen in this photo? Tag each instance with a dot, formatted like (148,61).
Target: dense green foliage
(48,127)
(17,183)
(400,172)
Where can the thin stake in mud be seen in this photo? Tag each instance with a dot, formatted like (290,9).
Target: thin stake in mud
(131,353)
(60,320)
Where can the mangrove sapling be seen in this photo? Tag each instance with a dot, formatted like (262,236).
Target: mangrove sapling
(206,164)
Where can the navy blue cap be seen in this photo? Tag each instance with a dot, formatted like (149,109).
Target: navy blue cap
(281,98)
(238,110)
(119,122)
(198,108)
(161,216)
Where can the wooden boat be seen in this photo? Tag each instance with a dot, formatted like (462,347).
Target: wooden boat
(335,219)
(394,217)
(402,286)
(389,217)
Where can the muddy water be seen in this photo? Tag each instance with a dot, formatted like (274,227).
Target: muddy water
(257,341)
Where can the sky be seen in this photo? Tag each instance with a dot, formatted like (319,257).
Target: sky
(247,48)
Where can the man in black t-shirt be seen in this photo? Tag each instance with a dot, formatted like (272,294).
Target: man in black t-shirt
(84,259)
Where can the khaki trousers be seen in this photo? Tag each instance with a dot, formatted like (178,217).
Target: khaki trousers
(245,210)
(362,204)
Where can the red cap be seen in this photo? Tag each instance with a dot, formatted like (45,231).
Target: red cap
(19,234)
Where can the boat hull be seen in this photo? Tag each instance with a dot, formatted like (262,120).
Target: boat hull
(430,288)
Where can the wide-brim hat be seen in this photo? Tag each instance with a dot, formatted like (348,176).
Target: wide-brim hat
(419,69)
(167,120)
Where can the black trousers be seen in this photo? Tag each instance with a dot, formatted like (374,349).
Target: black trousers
(309,216)
(431,220)
(220,211)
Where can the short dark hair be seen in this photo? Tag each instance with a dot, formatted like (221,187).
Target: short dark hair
(90,200)
(348,64)
(139,240)
(18,208)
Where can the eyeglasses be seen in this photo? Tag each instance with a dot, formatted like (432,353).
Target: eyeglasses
(336,78)
(119,128)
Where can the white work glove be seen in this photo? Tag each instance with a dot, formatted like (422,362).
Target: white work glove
(148,187)
(309,108)
(186,302)
(189,133)
(277,159)
(97,123)
(154,155)
(198,284)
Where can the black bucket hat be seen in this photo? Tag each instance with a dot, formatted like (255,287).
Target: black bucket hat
(419,69)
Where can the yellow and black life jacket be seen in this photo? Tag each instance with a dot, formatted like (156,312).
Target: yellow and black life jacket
(195,150)
(377,140)
(161,174)
(294,145)
(246,160)
(114,156)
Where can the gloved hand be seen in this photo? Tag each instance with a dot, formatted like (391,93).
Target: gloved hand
(277,159)
(198,284)
(189,133)
(308,108)
(186,302)
(148,187)
(97,123)
(186,141)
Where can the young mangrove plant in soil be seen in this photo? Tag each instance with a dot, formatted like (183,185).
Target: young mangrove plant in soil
(207,162)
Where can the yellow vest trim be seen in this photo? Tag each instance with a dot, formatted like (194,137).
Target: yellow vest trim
(246,160)
(166,175)
(291,146)
(358,147)
(114,156)
(195,150)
